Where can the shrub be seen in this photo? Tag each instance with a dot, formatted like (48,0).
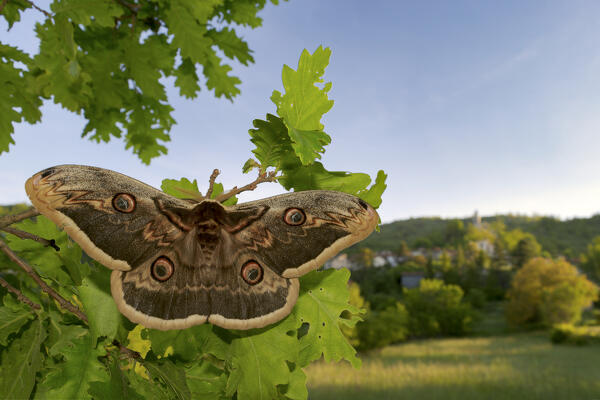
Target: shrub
(382,328)
(548,292)
(577,335)
(435,308)
(476,298)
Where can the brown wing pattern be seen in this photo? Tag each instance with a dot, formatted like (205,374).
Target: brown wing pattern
(177,264)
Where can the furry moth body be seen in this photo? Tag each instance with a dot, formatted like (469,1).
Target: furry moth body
(178,263)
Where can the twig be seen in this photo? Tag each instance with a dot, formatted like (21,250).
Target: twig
(51,292)
(132,7)
(262,177)
(11,219)
(19,295)
(211,182)
(127,351)
(39,9)
(26,235)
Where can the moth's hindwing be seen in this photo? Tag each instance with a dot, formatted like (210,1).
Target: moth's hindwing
(178,263)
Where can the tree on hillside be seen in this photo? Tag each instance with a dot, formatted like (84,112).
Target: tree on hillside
(403,250)
(366,257)
(454,232)
(590,261)
(107,60)
(548,292)
(526,249)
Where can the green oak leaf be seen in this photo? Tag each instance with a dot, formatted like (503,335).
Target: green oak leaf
(315,176)
(71,378)
(181,343)
(187,79)
(303,104)
(218,78)
(249,165)
(271,140)
(323,297)
(201,10)
(12,11)
(146,128)
(182,188)
(86,12)
(296,389)
(242,12)
(147,389)
(308,144)
(374,193)
(18,101)
(61,335)
(117,388)
(21,362)
(258,360)
(172,376)
(12,317)
(145,62)
(231,44)
(206,381)
(188,34)
(103,316)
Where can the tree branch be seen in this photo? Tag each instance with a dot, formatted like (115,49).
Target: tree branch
(211,182)
(39,9)
(132,7)
(26,235)
(19,295)
(51,292)
(11,219)
(262,177)
(134,355)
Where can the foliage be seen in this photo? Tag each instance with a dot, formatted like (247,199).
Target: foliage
(590,261)
(476,297)
(577,335)
(437,309)
(383,327)
(454,232)
(107,60)
(53,354)
(567,237)
(366,257)
(548,292)
(526,249)
(380,287)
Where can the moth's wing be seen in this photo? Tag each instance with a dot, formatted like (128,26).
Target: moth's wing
(207,281)
(333,222)
(198,293)
(80,200)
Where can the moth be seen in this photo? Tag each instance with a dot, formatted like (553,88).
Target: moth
(177,263)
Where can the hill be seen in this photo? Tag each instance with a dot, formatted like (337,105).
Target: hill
(556,236)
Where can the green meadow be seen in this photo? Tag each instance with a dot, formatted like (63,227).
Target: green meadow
(515,366)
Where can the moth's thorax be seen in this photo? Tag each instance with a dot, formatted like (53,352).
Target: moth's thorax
(208,235)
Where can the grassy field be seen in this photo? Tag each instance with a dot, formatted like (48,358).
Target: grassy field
(515,366)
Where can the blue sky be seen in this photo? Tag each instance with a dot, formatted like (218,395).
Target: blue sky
(466,105)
